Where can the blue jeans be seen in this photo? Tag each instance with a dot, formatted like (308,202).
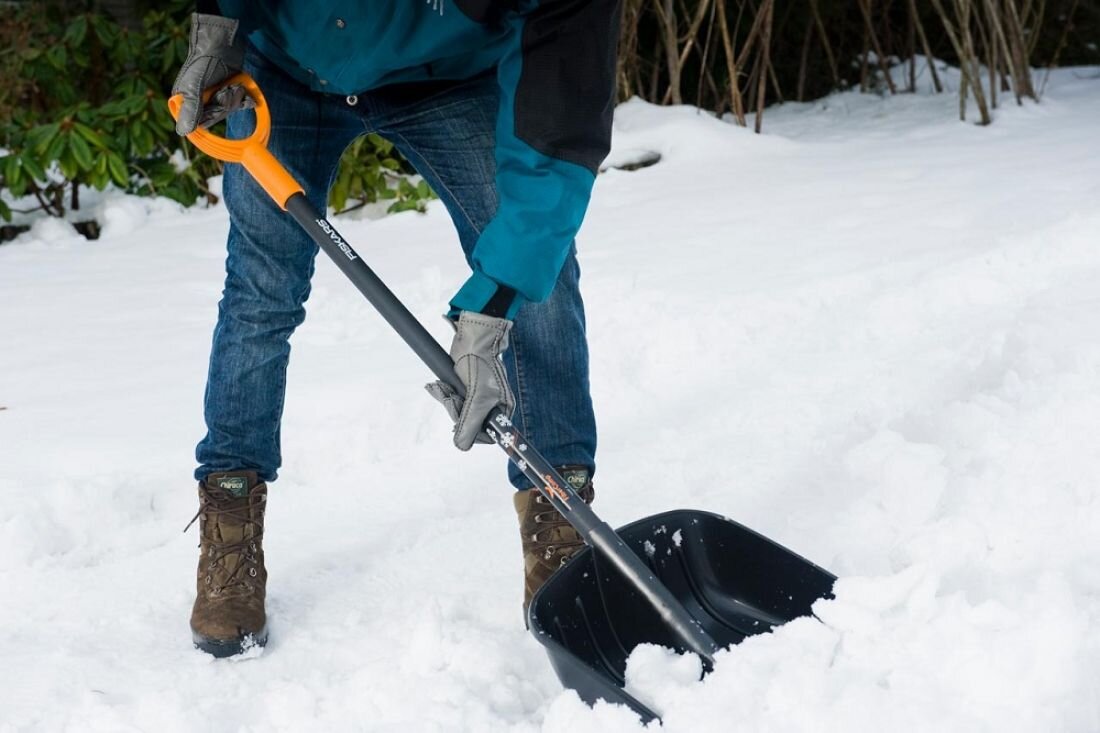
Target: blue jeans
(446,130)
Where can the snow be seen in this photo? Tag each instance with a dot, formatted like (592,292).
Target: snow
(871,334)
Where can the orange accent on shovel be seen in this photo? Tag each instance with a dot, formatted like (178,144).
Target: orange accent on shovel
(251,152)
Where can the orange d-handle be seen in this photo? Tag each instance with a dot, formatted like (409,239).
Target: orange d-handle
(251,152)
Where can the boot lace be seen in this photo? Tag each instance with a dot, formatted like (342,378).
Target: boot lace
(214,504)
(555,536)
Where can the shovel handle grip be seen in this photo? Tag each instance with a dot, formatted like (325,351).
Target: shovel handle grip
(250,152)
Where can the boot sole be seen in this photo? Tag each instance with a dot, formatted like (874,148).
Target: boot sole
(221,648)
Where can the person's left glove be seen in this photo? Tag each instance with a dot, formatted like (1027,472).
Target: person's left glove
(215,54)
(478,343)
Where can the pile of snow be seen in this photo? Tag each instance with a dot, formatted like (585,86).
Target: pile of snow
(883,325)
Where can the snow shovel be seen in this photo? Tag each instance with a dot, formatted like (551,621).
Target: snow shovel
(690,580)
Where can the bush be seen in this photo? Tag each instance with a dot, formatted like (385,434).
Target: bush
(373,170)
(90,110)
(83,103)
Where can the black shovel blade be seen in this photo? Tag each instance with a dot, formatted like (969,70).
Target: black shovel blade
(733,581)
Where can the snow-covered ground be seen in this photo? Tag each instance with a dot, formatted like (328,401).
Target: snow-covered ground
(883,323)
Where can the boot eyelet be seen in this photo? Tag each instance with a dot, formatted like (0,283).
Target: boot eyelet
(252,547)
(252,572)
(209,580)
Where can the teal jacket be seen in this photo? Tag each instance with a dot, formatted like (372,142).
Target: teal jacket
(555,64)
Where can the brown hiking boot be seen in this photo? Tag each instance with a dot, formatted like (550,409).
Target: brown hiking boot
(228,616)
(549,541)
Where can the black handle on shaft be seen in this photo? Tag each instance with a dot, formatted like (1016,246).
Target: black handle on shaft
(595,532)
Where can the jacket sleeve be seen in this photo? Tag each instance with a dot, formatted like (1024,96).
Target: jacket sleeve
(557,93)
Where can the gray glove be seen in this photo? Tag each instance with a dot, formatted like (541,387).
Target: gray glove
(479,341)
(215,54)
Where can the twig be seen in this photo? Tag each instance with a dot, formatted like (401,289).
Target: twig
(911,43)
(801,93)
(1062,42)
(825,43)
(924,44)
(736,103)
(865,6)
(961,40)
(704,63)
(693,29)
(666,16)
(989,45)
(1021,73)
(765,60)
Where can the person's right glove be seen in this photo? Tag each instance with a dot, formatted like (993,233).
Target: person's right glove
(215,54)
(478,343)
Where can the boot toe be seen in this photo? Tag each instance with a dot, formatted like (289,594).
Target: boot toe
(229,644)
(228,628)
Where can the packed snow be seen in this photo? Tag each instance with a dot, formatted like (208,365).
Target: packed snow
(871,334)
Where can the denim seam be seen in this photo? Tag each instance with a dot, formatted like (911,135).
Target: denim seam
(521,402)
(439,178)
(280,403)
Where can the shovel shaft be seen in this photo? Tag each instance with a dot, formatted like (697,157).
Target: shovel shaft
(546,479)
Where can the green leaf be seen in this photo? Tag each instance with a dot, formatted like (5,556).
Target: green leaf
(32,166)
(114,108)
(404,205)
(163,175)
(379,143)
(118,170)
(12,170)
(90,135)
(104,30)
(74,34)
(143,139)
(42,136)
(18,189)
(81,152)
(68,165)
(57,57)
(5,212)
(54,149)
(14,178)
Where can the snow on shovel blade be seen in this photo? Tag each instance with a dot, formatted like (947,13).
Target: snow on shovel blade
(733,581)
